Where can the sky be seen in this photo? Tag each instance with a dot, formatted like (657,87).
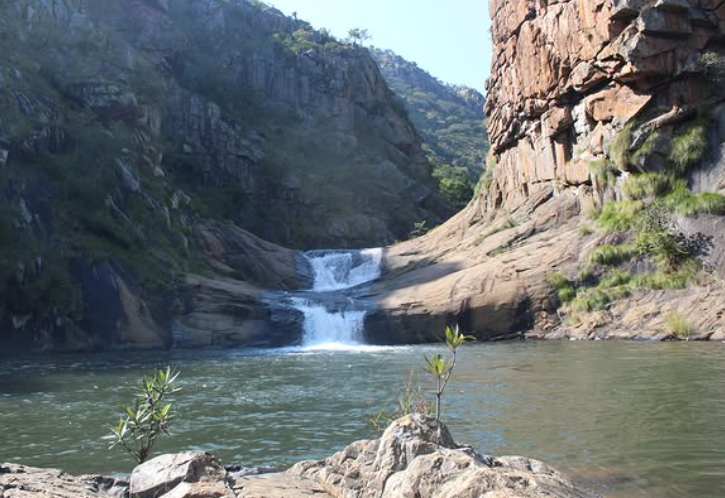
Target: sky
(449,39)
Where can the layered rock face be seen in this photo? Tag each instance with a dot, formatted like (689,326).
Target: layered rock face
(574,85)
(416,457)
(567,75)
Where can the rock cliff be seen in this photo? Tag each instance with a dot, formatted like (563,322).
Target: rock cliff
(144,140)
(606,108)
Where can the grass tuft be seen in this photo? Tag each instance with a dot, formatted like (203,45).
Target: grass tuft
(615,278)
(691,205)
(689,146)
(646,185)
(619,216)
(646,148)
(608,254)
(679,326)
(619,149)
(604,172)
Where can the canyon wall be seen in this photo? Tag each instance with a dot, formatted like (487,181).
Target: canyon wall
(583,94)
(567,75)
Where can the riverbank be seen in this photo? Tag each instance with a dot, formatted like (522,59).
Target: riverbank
(416,457)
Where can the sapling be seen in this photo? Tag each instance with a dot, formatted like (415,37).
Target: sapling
(441,368)
(150,417)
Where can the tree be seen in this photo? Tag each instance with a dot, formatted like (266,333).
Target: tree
(358,36)
(454,184)
(139,428)
(441,368)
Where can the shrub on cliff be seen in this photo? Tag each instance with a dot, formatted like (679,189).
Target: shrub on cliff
(689,146)
(149,418)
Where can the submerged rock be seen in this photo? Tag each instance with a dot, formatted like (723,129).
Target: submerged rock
(416,457)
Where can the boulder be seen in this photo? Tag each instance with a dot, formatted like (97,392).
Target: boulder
(416,457)
(191,474)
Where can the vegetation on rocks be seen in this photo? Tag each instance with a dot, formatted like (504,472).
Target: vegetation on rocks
(689,145)
(679,326)
(449,118)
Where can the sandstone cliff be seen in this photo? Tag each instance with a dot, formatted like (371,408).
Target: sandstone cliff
(594,107)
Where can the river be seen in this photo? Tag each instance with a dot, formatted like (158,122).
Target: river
(628,419)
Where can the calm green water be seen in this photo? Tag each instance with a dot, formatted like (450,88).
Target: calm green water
(630,419)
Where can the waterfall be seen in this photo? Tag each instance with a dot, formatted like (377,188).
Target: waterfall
(332,317)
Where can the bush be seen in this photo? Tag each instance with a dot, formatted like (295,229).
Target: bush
(139,428)
(646,185)
(608,254)
(619,216)
(679,326)
(658,240)
(689,146)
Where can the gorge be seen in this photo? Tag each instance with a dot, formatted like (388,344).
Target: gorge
(213,185)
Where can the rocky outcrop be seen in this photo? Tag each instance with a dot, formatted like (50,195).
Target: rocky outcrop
(416,457)
(567,75)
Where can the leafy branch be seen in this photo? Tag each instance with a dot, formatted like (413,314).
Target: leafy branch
(150,417)
(441,368)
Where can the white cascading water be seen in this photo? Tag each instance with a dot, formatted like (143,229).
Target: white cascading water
(333,321)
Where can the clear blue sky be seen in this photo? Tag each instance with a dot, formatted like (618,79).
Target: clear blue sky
(449,39)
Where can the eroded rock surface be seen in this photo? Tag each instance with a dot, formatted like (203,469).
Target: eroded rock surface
(567,75)
(416,457)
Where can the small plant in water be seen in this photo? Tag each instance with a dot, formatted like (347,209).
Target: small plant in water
(441,368)
(150,417)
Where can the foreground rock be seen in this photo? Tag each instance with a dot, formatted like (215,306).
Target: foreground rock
(415,458)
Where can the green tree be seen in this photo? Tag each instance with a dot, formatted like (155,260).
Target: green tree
(358,36)
(440,367)
(454,184)
(150,417)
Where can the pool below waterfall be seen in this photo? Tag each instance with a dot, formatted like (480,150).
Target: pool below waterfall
(628,419)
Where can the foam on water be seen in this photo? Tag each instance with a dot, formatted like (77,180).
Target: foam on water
(340,328)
